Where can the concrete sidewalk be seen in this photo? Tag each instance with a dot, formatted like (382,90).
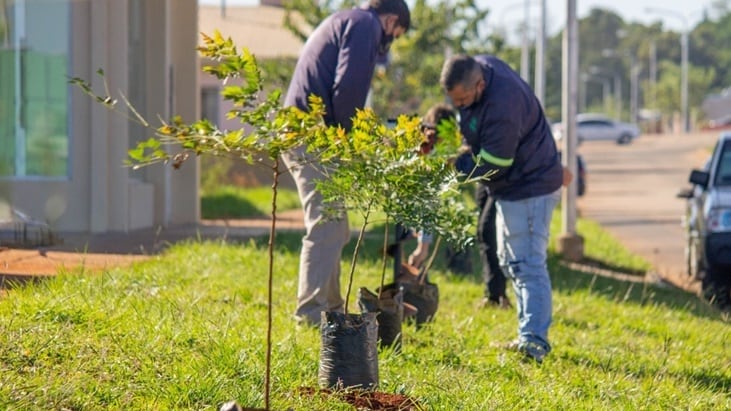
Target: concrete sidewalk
(99,251)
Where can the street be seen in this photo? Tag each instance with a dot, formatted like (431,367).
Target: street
(631,192)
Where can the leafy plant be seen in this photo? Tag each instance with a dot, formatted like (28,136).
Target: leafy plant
(371,168)
(268,130)
(382,171)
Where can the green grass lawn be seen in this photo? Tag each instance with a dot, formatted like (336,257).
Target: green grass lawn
(187,331)
(239,202)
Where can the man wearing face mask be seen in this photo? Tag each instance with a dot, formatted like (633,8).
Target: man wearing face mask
(511,148)
(336,64)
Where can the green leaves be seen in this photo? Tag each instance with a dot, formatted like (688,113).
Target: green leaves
(380,169)
(370,168)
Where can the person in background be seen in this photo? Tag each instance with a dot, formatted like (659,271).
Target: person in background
(495,284)
(436,114)
(492,273)
(336,64)
(512,151)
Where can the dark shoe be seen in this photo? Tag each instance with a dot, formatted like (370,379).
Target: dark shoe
(501,302)
(533,351)
(530,350)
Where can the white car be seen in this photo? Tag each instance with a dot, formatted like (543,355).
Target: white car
(590,126)
(708,224)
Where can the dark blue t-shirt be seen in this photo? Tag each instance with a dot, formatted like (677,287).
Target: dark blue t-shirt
(337,64)
(510,137)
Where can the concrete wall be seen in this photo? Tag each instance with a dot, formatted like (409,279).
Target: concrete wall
(100,194)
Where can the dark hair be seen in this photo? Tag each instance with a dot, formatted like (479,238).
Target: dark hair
(397,7)
(460,69)
(438,113)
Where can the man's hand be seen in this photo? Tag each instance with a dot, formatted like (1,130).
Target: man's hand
(419,255)
(568,176)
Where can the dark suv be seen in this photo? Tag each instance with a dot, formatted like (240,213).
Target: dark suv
(708,223)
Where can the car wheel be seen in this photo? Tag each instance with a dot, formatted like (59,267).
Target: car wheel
(716,288)
(624,139)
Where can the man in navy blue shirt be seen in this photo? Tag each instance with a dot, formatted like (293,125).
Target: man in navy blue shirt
(512,150)
(336,64)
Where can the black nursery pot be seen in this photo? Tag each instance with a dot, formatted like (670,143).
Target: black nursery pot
(349,351)
(389,307)
(424,296)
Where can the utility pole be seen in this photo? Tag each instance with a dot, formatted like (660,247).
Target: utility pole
(683,63)
(525,50)
(653,74)
(540,75)
(570,244)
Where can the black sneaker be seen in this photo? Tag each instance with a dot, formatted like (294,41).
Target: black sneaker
(501,302)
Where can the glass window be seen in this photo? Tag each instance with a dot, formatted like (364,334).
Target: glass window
(34,55)
(210,97)
(723,176)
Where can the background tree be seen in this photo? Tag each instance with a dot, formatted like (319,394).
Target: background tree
(409,83)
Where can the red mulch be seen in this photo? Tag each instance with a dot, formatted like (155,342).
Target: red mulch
(367,400)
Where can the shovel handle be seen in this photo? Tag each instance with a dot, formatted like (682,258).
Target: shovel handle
(429,262)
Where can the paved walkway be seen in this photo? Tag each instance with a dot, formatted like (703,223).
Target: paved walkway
(631,192)
(96,252)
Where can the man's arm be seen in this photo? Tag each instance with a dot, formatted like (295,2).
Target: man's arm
(498,144)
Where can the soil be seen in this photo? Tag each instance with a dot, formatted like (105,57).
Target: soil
(367,400)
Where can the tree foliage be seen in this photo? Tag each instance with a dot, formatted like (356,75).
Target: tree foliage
(410,83)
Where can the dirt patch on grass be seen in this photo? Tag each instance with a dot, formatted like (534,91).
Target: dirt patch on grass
(367,400)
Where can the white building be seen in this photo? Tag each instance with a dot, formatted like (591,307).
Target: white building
(62,154)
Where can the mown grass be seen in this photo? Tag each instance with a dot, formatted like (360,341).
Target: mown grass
(186,330)
(601,248)
(239,202)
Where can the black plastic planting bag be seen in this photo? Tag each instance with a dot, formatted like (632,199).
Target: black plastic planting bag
(390,313)
(349,350)
(424,297)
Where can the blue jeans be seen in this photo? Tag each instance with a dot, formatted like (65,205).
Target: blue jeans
(523,228)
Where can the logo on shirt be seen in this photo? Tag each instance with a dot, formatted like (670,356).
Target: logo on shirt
(473,125)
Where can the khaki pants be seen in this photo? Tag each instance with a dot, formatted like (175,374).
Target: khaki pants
(322,244)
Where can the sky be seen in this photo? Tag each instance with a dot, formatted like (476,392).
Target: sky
(503,12)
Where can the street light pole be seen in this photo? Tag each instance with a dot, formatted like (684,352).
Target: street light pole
(634,82)
(684,77)
(525,49)
(570,243)
(683,63)
(584,98)
(617,89)
(653,74)
(634,90)
(540,66)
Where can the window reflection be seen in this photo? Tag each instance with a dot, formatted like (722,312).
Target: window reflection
(34,56)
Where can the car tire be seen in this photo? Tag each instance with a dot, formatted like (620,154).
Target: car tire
(624,139)
(716,288)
